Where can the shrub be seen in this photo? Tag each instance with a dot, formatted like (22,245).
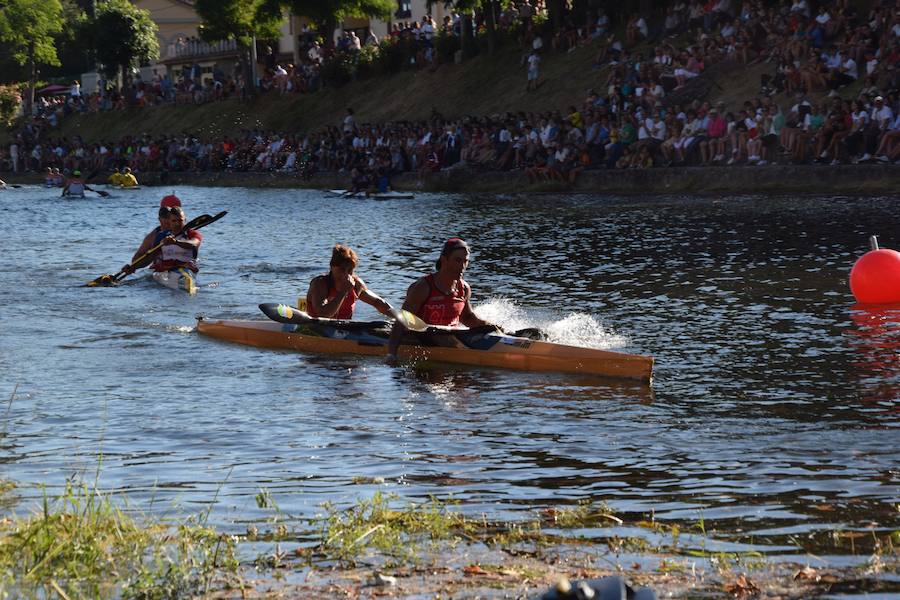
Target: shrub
(10,98)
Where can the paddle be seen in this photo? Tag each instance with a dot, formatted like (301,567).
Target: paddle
(288,314)
(195,223)
(415,323)
(101,193)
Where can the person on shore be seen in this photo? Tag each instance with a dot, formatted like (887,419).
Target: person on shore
(442,297)
(159,232)
(179,249)
(75,186)
(333,295)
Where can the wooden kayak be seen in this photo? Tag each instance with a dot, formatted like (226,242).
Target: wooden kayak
(466,347)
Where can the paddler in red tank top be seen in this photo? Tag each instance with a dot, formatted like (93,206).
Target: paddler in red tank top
(442,297)
(334,294)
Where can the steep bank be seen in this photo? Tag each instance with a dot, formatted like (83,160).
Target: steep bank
(484,85)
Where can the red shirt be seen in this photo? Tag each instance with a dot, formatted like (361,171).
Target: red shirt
(441,308)
(345,310)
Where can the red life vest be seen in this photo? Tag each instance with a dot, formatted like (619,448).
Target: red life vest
(441,308)
(345,311)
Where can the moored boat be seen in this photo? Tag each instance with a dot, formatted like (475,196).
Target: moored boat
(463,346)
(375,195)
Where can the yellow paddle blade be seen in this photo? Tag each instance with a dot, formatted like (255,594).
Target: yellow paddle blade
(301,304)
(189,285)
(103,280)
(410,321)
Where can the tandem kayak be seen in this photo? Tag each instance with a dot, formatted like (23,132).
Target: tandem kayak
(179,279)
(459,346)
(375,195)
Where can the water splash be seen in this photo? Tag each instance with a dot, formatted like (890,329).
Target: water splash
(575,329)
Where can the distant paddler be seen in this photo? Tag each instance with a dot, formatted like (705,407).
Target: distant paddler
(75,186)
(333,295)
(2,185)
(442,297)
(115,178)
(179,248)
(127,178)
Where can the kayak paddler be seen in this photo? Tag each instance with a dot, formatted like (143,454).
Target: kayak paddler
(442,297)
(127,178)
(333,295)
(159,232)
(179,248)
(115,178)
(75,185)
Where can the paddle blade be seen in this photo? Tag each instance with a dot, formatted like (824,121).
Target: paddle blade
(410,321)
(102,193)
(102,281)
(284,313)
(532,333)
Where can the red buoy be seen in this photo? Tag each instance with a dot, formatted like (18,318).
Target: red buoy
(875,277)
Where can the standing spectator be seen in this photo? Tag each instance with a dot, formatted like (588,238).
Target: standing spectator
(534,63)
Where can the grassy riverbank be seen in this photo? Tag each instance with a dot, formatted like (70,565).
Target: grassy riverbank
(81,544)
(483,85)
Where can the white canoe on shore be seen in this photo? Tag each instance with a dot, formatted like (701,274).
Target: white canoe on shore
(376,195)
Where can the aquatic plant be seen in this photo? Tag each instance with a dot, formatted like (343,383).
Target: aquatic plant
(398,533)
(82,545)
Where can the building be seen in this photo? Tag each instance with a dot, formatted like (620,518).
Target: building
(180,47)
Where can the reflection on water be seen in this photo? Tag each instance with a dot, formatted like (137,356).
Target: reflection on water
(773,413)
(875,343)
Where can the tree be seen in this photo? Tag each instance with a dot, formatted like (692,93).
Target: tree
(328,14)
(242,21)
(124,37)
(28,27)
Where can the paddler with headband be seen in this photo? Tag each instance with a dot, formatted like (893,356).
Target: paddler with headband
(442,297)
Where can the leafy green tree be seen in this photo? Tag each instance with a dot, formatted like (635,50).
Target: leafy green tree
(328,14)
(124,37)
(28,28)
(242,21)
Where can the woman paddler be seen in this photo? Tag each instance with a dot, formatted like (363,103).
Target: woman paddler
(334,294)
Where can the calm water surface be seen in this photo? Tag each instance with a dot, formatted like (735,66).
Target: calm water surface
(774,414)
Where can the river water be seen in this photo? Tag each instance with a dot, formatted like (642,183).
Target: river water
(774,412)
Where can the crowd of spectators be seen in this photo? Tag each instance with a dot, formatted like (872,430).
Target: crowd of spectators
(828,93)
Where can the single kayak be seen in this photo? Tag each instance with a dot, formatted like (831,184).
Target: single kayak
(459,346)
(375,195)
(179,279)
